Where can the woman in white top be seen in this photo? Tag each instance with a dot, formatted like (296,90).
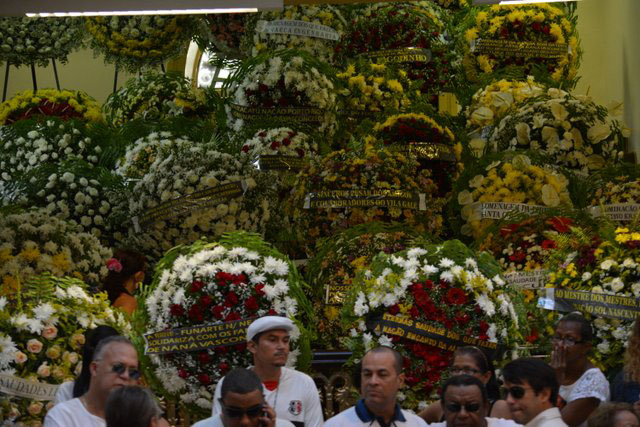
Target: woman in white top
(582,386)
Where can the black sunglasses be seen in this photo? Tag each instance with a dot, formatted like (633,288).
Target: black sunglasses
(457,407)
(253,412)
(120,368)
(516,391)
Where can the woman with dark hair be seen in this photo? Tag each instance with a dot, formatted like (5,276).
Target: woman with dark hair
(126,271)
(77,388)
(582,386)
(133,406)
(618,414)
(626,385)
(472,361)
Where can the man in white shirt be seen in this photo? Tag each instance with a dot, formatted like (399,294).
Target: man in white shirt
(243,404)
(292,394)
(381,378)
(115,364)
(531,390)
(465,403)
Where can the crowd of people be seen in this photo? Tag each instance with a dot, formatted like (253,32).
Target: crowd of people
(569,391)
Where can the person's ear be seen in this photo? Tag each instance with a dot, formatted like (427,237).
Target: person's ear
(544,395)
(93,368)
(401,379)
(138,277)
(252,346)
(486,377)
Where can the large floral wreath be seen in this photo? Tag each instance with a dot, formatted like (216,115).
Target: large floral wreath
(284,143)
(174,173)
(437,298)
(575,131)
(537,38)
(27,41)
(132,42)
(614,192)
(42,339)
(282,88)
(311,28)
(351,187)
(155,95)
(239,277)
(66,104)
(35,242)
(506,182)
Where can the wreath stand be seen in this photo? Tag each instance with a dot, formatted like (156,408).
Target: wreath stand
(33,78)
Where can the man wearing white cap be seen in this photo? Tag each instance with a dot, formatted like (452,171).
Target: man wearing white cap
(291,393)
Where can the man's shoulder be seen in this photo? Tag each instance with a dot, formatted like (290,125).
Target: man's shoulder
(72,414)
(413,419)
(501,422)
(347,416)
(68,406)
(296,375)
(209,422)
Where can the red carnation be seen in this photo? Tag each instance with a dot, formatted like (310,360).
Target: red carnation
(231,299)
(394,309)
(484,326)
(262,134)
(177,310)
(251,304)
(238,279)
(275,145)
(414,312)
(258,288)
(456,296)
(272,312)
(183,373)
(232,316)
(286,142)
(195,313)
(224,367)
(561,224)
(548,244)
(204,358)
(217,312)
(245,148)
(206,301)
(196,285)
(204,379)
(518,256)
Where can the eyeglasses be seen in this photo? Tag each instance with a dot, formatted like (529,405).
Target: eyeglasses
(457,407)
(120,368)
(464,371)
(253,412)
(569,341)
(516,392)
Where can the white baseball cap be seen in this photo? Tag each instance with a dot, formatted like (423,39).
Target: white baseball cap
(268,323)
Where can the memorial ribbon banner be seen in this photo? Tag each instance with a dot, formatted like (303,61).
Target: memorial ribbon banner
(519,49)
(336,293)
(14,386)
(427,150)
(534,279)
(365,198)
(194,338)
(279,163)
(497,210)
(626,212)
(297,28)
(597,304)
(297,114)
(196,201)
(399,56)
(426,334)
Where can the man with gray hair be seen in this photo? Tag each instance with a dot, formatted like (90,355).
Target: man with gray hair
(115,364)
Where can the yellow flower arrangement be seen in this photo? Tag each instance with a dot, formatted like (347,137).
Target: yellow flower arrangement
(496,41)
(66,104)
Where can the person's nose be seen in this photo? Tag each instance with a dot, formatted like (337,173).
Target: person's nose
(463,413)
(245,421)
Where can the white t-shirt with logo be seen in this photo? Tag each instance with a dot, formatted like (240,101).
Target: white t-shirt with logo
(295,399)
(72,413)
(215,421)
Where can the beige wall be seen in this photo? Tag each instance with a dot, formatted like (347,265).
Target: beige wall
(610,67)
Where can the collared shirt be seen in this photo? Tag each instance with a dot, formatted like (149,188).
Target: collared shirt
(548,418)
(360,415)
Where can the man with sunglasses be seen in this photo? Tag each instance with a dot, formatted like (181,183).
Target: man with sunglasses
(381,377)
(465,404)
(531,391)
(115,364)
(242,403)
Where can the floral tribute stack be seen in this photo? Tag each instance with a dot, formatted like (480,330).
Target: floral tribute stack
(41,341)
(426,302)
(615,193)
(224,285)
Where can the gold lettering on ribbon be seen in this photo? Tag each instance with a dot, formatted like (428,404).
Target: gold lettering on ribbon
(363,198)
(194,338)
(297,114)
(276,162)
(520,49)
(497,210)
(336,293)
(20,387)
(399,56)
(427,150)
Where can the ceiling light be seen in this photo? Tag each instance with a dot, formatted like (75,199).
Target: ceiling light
(505,2)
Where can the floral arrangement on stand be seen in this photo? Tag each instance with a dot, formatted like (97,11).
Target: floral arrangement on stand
(576,132)
(132,42)
(239,277)
(615,193)
(538,39)
(453,4)
(92,198)
(425,302)
(226,34)
(37,41)
(279,89)
(29,144)
(35,241)
(41,341)
(153,96)
(172,174)
(607,263)
(352,187)
(45,103)
(311,28)
(505,182)
(433,145)
(406,36)
(333,269)
(282,142)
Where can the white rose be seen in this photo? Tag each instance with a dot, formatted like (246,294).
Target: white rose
(44,370)
(607,264)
